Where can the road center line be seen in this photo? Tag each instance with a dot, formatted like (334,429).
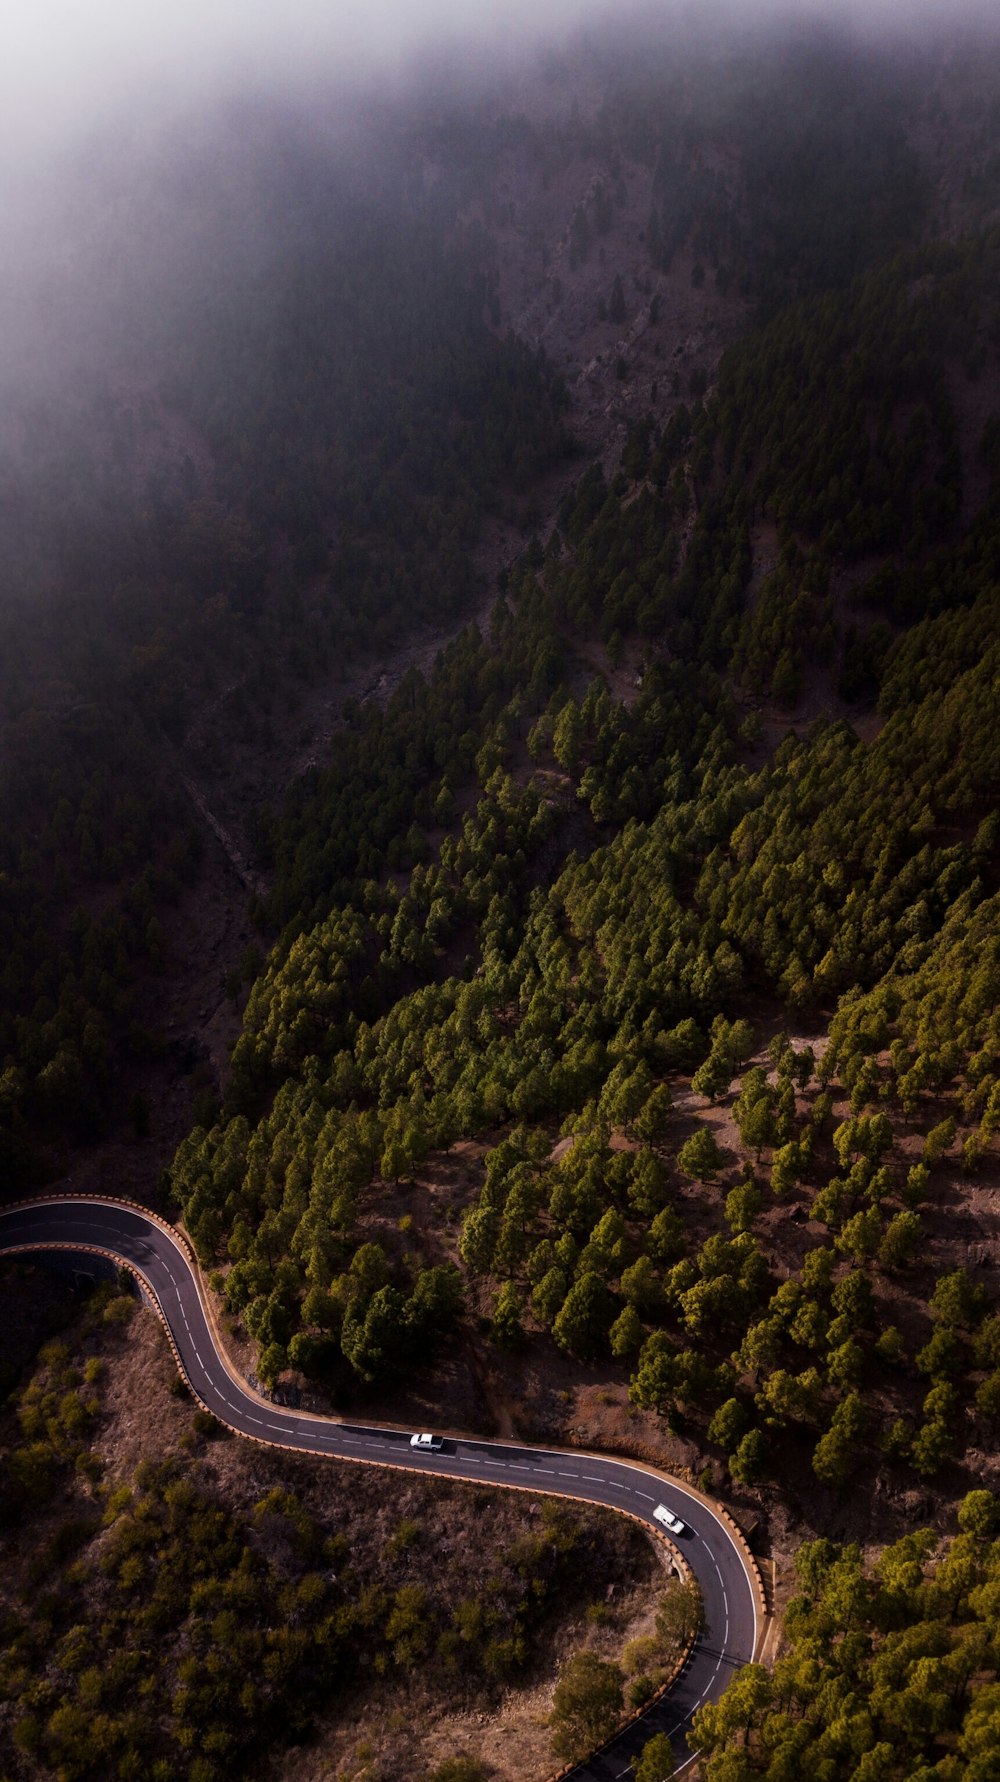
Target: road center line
(326,1437)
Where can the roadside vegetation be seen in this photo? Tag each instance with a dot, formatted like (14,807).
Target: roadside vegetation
(890,1671)
(193,1615)
(659,920)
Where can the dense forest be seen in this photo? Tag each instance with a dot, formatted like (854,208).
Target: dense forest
(661,913)
(625,886)
(890,1668)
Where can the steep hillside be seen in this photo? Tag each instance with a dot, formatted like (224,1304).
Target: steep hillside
(665,1062)
(579,1023)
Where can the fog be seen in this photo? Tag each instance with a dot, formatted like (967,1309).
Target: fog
(67,63)
(98,97)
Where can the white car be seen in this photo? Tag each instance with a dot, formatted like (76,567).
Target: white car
(428,1444)
(669,1520)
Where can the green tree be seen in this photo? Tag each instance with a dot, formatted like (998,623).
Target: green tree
(376,1345)
(583,1324)
(719,1724)
(728,1425)
(656,1384)
(699,1156)
(835,1457)
(507,1327)
(408,1628)
(647,1188)
(656,1760)
(713,1077)
(586,1705)
(750,1462)
(900,1239)
(549,1296)
(756,1123)
(933,1446)
(743,1206)
(641,1286)
(480,1233)
(666,1236)
(680,1617)
(652,1122)
(938,1141)
(979,1513)
(786,1168)
(627,1333)
(957,1301)
(436,1301)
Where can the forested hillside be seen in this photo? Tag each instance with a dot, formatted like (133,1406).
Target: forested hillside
(294,471)
(891,1669)
(579,917)
(619,1049)
(629,892)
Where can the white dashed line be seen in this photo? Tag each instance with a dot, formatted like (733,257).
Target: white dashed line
(386,1451)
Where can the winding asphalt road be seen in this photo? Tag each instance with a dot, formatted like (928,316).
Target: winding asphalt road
(732,1616)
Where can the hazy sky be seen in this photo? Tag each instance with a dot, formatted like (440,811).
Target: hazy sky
(62,61)
(141,68)
(60,58)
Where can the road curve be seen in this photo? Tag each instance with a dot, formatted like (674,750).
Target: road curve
(154,1251)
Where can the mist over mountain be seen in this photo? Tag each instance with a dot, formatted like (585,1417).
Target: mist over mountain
(499,564)
(109,122)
